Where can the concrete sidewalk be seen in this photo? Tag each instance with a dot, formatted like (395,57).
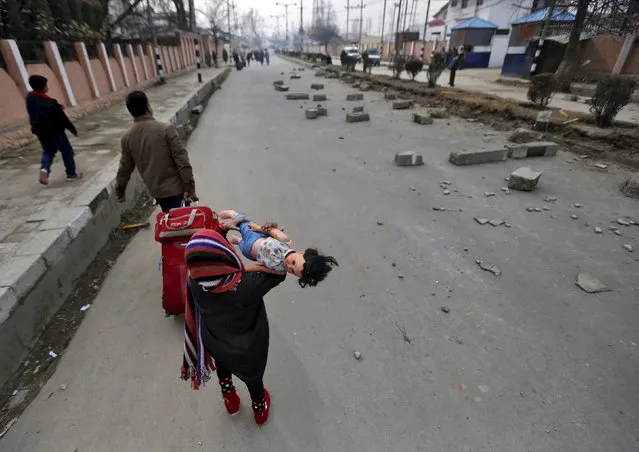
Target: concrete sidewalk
(50,234)
(485,81)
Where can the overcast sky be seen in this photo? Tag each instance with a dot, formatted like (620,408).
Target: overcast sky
(372,12)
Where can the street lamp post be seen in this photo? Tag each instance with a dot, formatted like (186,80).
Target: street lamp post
(301,25)
(286,5)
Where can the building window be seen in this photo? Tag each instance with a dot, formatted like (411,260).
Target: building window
(453,3)
(464,4)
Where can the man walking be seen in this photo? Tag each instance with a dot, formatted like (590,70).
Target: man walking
(456,64)
(49,123)
(159,154)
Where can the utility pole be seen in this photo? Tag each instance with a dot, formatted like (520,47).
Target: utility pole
(156,48)
(277,19)
(301,25)
(542,37)
(348,10)
(286,5)
(228,20)
(196,40)
(192,15)
(425,27)
(381,52)
(361,20)
(399,20)
(348,16)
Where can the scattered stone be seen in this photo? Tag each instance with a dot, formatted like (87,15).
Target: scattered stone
(357,117)
(601,166)
(358,109)
(447,192)
(278,82)
(312,113)
(459,340)
(524,179)
(197,110)
(357,355)
(422,119)
(496,222)
(547,118)
(63,386)
(546,208)
(489,267)
(380,223)
(390,96)
(588,283)
(322,111)
(530,209)
(505,190)
(475,157)
(630,187)
(488,194)
(297,96)
(364,87)
(400,276)
(598,230)
(446,182)
(537,209)
(412,188)
(408,158)
(481,221)
(508,225)
(357,84)
(402,104)
(550,199)
(295,77)
(628,247)
(282,88)
(574,217)
(445,309)
(623,222)
(319,97)
(438,113)
(616,232)
(522,135)
(317,86)
(578,206)
(354,97)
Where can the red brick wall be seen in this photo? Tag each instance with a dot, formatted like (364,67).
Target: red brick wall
(11,102)
(79,81)
(118,78)
(101,77)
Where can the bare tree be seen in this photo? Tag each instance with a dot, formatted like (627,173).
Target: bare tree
(253,28)
(324,30)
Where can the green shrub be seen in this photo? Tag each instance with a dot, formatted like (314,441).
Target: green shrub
(399,63)
(436,68)
(414,67)
(611,95)
(541,88)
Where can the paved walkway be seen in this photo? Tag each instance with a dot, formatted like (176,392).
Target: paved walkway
(484,81)
(25,204)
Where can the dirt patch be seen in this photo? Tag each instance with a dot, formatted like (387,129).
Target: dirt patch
(619,143)
(39,365)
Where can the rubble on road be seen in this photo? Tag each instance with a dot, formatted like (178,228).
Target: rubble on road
(357,117)
(282,88)
(438,113)
(467,157)
(598,230)
(321,73)
(319,97)
(532,149)
(311,113)
(546,119)
(358,109)
(524,179)
(481,221)
(402,104)
(364,87)
(496,222)
(317,86)
(322,111)
(488,194)
(278,82)
(628,247)
(295,77)
(492,268)
(297,96)
(422,119)
(630,187)
(408,158)
(390,96)
(588,283)
(522,135)
(354,96)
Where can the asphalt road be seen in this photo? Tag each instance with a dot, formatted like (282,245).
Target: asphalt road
(522,362)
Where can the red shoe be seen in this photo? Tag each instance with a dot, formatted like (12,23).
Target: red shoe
(231,399)
(261,409)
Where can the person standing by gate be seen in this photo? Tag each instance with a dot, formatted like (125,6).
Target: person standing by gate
(49,123)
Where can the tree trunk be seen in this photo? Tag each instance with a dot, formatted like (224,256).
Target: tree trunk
(566,70)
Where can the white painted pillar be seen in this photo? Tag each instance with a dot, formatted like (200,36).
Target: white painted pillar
(120,58)
(56,63)
(131,55)
(81,50)
(624,52)
(19,62)
(104,57)
(151,51)
(143,59)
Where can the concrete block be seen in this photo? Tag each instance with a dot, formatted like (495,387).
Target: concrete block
(322,111)
(297,96)
(517,151)
(320,74)
(49,244)
(357,117)
(319,97)
(281,88)
(8,300)
(541,148)
(332,75)
(402,104)
(390,96)
(22,273)
(438,113)
(278,82)
(423,119)
(358,109)
(524,179)
(295,77)
(91,197)
(300,69)
(357,84)
(354,97)
(364,87)
(546,119)
(408,158)
(311,113)
(630,187)
(475,157)
(72,218)
(197,110)
(317,86)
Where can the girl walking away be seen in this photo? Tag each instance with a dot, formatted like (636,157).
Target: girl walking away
(225,322)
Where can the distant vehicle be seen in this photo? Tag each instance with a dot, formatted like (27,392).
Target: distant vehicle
(373,55)
(353,52)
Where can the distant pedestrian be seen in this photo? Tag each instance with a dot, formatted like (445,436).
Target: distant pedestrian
(214,58)
(455,65)
(225,56)
(249,56)
(158,152)
(49,123)
(268,57)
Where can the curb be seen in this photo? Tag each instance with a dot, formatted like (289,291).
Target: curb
(44,270)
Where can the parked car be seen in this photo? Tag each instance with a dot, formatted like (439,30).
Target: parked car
(374,56)
(353,52)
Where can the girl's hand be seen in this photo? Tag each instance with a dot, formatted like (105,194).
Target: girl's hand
(266,227)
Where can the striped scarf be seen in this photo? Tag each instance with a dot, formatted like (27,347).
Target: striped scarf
(213,264)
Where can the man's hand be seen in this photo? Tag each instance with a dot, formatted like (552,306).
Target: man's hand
(190,197)
(121,198)
(266,227)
